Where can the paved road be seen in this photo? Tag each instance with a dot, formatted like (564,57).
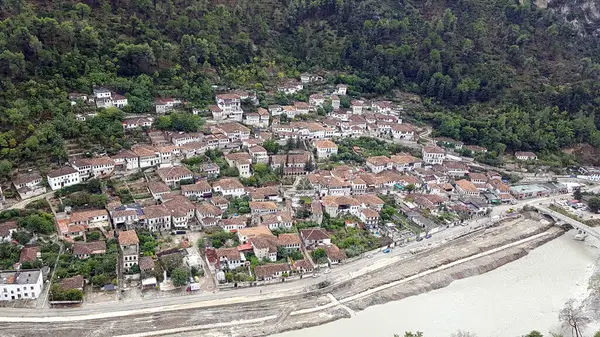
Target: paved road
(338,274)
(21,204)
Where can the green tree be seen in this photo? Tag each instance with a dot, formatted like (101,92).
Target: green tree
(319,255)
(594,204)
(5,169)
(271,146)
(534,333)
(22,237)
(179,276)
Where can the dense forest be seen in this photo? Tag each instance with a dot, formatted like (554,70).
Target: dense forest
(496,73)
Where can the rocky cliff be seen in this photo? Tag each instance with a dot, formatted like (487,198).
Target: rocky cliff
(583,14)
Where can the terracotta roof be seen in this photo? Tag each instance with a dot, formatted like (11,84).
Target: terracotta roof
(179,206)
(156,211)
(250,232)
(316,207)
(210,209)
(75,282)
(371,199)
(314,234)
(228,96)
(262,205)
(270,269)
(63,171)
(101,161)
(124,155)
(288,239)
(334,253)
(146,263)
(330,200)
(303,264)
(404,127)
(228,183)
(168,173)
(26,178)
(433,149)
(478,176)
(128,238)
(89,248)
(241,157)
(370,213)
(228,253)
(197,187)
(5,227)
(233,128)
(325,144)
(378,160)
(466,185)
(143,150)
(219,200)
(157,187)
(79,216)
(265,242)
(256,149)
(29,254)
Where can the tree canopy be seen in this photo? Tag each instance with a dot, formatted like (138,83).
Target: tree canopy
(501,74)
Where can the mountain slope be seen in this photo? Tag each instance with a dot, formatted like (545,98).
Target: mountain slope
(497,73)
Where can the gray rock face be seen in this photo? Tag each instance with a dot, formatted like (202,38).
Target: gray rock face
(583,14)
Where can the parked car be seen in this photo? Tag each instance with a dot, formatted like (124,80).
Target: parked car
(386,251)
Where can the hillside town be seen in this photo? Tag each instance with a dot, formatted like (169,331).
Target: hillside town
(260,193)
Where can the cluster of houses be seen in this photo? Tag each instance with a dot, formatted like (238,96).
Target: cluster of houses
(264,245)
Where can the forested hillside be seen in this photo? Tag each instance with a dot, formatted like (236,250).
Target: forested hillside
(493,72)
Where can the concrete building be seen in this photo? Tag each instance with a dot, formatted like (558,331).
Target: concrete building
(63,177)
(21,284)
(130,248)
(325,148)
(433,155)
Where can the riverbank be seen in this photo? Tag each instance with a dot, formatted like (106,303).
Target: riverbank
(438,267)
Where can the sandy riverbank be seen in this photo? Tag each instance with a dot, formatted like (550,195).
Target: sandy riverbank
(436,268)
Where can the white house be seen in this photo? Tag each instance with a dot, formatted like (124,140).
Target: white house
(148,156)
(29,185)
(325,148)
(341,89)
(130,248)
(433,155)
(316,100)
(164,105)
(229,103)
(20,284)
(62,177)
(126,160)
(172,176)
(315,236)
(403,131)
(139,122)
(6,230)
(379,163)
(526,156)
(229,187)
(258,154)
(230,258)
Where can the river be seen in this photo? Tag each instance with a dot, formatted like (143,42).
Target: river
(507,302)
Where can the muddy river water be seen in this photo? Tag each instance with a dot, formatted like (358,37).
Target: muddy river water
(507,302)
